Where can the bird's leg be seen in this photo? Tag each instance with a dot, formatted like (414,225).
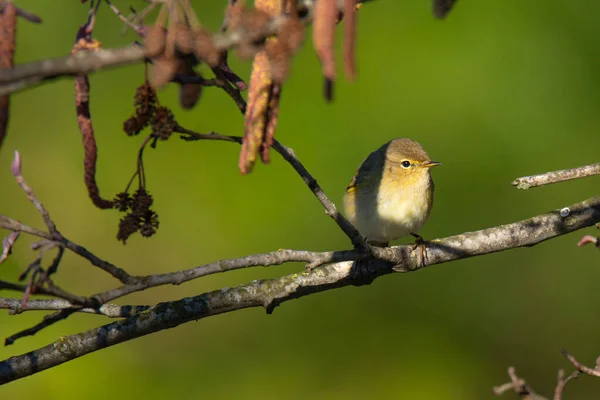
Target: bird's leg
(420,243)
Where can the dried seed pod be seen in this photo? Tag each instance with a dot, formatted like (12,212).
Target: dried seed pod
(184,39)
(155,40)
(256,112)
(325,19)
(163,70)
(163,123)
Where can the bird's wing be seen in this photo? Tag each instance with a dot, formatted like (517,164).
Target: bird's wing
(366,168)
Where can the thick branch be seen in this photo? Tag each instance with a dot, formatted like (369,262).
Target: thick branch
(272,292)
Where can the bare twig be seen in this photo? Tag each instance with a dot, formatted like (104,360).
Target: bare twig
(16,226)
(26,15)
(139,29)
(519,386)
(17,173)
(7,245)
(48,291)
(562,382)
(582,368)
(14,307)
(233,92)
(548,178)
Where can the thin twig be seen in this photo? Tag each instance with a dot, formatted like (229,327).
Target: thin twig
(233,92)
(519,386)
(580,367)
(17,173)
(16,226)
(562,382)
(548,178)
(14,307)
(48,291)
(139,29)
(26,15)
(7,245)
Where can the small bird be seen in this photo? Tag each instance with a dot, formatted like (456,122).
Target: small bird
(391,194)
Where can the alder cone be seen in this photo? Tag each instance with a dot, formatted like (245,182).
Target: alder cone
(204,47)
(163,70)
(155,41)
(184,39)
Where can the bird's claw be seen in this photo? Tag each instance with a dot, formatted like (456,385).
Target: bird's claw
(420,243)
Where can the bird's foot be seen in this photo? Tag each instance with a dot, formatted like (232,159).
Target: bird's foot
(420,244)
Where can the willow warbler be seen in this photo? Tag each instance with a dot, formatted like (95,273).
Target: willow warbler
(391,194)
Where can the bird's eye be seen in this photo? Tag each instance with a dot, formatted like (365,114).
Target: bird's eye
(405,164)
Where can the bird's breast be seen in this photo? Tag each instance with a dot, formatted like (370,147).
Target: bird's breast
(404,207)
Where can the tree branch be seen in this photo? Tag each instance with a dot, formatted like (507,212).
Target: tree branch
(14,307)
(16,226)
(582,368)
(28,75)
(548,178)
(272,292)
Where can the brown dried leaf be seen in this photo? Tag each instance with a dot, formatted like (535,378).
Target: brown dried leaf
(325,19)
(256,112)
(8,27)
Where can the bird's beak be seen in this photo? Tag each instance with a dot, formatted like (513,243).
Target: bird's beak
(431,164)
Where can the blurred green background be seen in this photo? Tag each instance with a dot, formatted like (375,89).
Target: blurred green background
(496,91)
